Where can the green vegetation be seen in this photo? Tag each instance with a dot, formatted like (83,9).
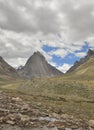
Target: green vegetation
(58,86)
(83,72)
(71,96)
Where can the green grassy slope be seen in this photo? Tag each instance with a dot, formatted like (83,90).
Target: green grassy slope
(83,72)
(58,87)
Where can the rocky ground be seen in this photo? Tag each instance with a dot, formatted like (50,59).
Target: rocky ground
(17,114)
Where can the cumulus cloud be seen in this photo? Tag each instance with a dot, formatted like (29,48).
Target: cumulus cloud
(59,53)
(80,54)
(31,16)
(27,25)
(64,67)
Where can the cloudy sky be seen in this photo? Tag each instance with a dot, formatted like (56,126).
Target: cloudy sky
(62,30)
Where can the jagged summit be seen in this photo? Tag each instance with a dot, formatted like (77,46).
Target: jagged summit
(37,66)
(36,57)
(37,53)
(90,53)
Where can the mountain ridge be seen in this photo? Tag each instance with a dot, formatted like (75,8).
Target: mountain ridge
(89,55)
(83,69)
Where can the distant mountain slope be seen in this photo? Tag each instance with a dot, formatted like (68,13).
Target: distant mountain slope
(89,55)
(37,66)
(6,71)
(84,69)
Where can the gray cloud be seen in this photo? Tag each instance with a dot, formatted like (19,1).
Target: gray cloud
(80,20)
(22,17)
(43,16)
(24,23)
(15,19)
(47,20)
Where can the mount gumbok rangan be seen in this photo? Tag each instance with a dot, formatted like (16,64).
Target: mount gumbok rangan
(37,66)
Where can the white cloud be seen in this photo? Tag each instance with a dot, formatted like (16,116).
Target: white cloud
(59,53)
(91,41)
(53,64)
(64,67)
(80,54)
(15,62)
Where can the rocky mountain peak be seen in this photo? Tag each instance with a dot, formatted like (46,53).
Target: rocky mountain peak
(90,53)
(35,58)
(37,66)
(37,53)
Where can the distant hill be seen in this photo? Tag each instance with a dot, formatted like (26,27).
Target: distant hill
(6,71)
(38,67)
(83,69)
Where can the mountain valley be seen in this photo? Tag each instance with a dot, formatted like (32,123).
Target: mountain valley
(39,97)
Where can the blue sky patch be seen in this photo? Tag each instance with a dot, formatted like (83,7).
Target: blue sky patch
(68,59)
(49,48)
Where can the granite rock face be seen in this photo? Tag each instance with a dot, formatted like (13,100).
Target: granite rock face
(37,67)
